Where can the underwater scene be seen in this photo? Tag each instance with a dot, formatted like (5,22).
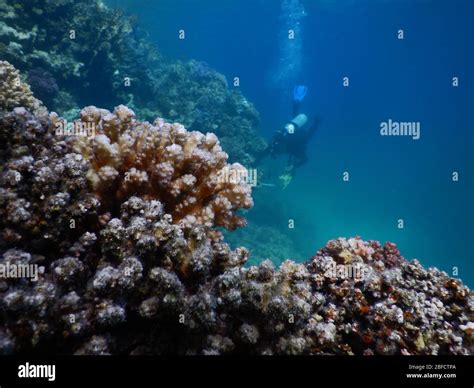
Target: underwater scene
(252,177)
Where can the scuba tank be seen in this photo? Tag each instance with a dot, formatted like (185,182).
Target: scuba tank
(300,120)
(296,123)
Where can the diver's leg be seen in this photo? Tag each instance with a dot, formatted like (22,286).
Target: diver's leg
(294,162)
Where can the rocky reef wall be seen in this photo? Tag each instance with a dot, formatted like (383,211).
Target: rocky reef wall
(77,53)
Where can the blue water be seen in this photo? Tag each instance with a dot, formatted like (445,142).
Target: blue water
(405,80)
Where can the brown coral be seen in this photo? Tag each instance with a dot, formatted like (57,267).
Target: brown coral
(186,171)
(14,92)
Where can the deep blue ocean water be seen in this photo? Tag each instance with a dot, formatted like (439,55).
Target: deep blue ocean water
(410,79)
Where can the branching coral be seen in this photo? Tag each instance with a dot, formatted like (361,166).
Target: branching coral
(14,92)
(184,170)
(44,200)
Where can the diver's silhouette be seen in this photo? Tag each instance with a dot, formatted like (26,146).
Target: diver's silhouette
(292,139)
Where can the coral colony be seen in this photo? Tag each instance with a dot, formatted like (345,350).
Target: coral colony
(126,224)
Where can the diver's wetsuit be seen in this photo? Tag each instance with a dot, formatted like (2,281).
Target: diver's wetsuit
(294,144)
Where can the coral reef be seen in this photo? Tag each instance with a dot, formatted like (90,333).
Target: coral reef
(131,266)
(198,97)
(42,34)
(41,38)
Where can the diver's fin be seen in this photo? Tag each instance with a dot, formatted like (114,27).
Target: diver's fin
(299,92)
(285,180)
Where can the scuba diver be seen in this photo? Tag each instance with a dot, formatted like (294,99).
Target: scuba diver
(292,139)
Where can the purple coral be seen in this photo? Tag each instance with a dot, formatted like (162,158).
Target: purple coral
(43,84)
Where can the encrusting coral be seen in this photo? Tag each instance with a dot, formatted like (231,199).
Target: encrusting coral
(393,307)
(124,269)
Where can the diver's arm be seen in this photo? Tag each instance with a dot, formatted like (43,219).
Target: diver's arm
(270,149)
